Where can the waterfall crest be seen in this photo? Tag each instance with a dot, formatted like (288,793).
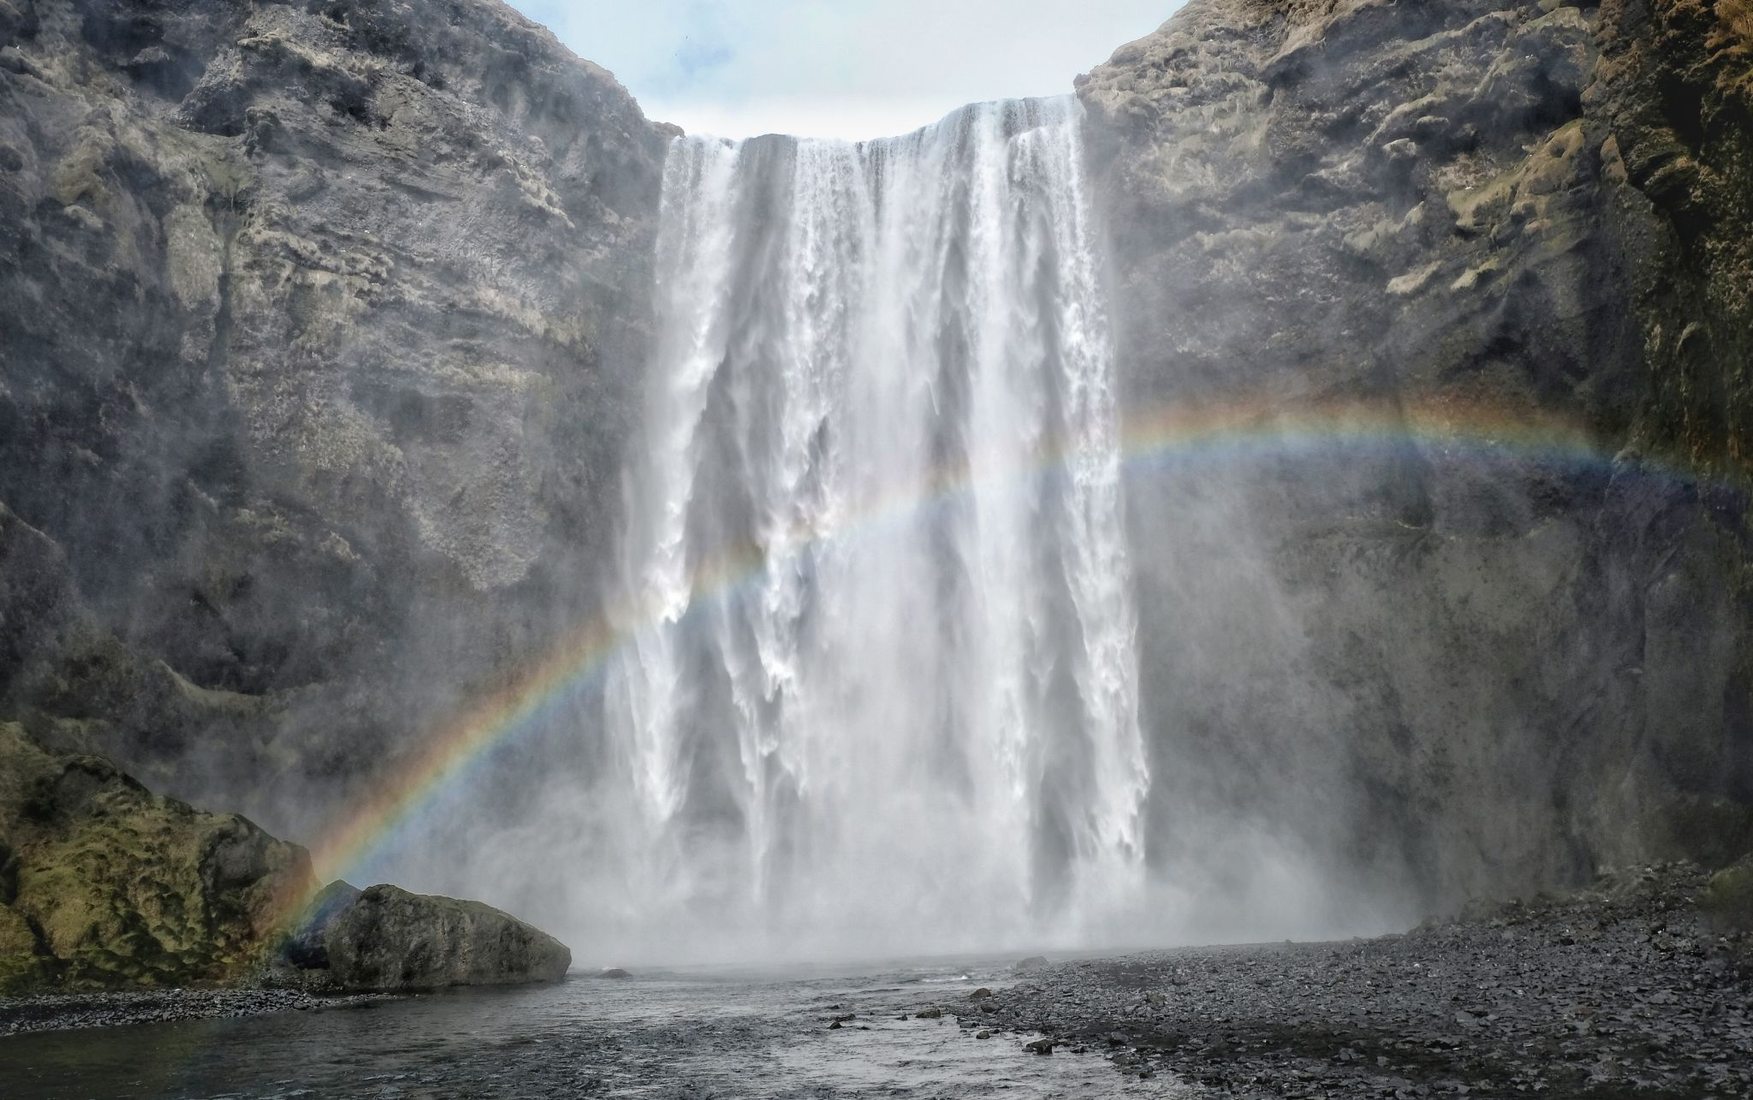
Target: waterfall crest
(881,687)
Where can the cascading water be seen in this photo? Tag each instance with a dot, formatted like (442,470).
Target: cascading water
(880,691)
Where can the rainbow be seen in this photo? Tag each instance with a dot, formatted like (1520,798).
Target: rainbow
(1445,428)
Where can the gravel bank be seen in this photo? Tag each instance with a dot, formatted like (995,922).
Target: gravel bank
(60,1011)
(1623,991)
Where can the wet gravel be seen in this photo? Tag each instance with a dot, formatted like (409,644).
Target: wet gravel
(58,1012)
(1618,992)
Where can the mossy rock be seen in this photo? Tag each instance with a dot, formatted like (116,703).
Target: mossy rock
(24,966)
(1727,900)
(110,886)
(1714,832)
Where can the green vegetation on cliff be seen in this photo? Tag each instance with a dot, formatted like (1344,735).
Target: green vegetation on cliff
(104,884)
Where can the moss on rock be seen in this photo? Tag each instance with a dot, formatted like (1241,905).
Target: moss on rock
(1727,900)
(109,885)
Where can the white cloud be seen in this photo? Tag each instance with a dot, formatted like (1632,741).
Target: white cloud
(840,68)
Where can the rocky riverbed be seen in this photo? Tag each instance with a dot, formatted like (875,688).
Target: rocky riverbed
(1638,987)
(67,1011)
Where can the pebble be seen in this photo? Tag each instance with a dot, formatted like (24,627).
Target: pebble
(1618,989)
(65,1011)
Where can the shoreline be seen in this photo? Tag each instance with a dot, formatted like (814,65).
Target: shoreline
(1626,989)
(1622,990)
(36,1013)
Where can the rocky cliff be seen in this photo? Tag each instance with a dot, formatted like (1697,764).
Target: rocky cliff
(323,320)
(321,328)
(1428,663)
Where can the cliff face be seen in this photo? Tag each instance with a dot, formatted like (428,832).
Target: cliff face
(1429,660)
(322,323)
(322,327)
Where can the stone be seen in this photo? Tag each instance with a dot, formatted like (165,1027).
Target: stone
(106,885)
(307,948)
(388,939)
(1727,899)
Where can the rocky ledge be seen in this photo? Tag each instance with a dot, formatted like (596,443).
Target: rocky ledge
(107,886)
(1638,986)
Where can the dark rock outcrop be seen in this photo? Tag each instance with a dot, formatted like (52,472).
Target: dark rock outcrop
(386,939)
(321,331)
(105,885)
(1423,662)
(307,948)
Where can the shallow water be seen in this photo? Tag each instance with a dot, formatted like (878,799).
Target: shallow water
(693,1034)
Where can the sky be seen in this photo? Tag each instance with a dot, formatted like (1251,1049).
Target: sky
(840,68)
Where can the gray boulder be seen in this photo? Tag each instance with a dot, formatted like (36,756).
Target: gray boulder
(385,938)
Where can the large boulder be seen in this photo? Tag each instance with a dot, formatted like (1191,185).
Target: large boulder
(385,938)
(104,884)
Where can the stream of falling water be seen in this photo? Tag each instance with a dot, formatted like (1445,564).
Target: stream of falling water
(881,692)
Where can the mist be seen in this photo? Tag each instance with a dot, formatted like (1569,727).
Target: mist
(929,638)
(839,549)
(874,685)
(1280,483)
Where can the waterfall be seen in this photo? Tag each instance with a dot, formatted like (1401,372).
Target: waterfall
(880,688)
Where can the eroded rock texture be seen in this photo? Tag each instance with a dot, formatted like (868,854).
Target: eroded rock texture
(321,330)
(1414,657)
(385,938)
(104,884)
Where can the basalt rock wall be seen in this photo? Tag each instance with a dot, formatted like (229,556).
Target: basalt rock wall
(322,331)
(1464,609)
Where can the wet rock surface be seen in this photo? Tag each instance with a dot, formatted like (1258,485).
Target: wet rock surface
(1495,631)
(1626,990)
(323,328)
(385,938)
